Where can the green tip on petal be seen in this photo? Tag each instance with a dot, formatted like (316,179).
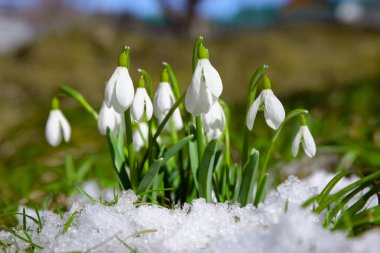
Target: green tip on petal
(142,81)
(303,120)
(202,52)
(55,104)
(266,82)
(124,57)
(164,76)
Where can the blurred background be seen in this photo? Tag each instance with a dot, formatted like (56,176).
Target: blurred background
(324,55)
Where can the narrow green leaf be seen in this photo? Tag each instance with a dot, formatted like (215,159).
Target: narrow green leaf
(38,216)
(325,192)
(177,147)
(249,180)
(70,169)
(173,80)
(84,168)
(342,192)
(86,194)
(260,192)
(23,219)
(69,221)
(148,178)
(205,171)
(193,156)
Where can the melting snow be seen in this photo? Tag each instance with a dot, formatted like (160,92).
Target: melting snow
(199,227)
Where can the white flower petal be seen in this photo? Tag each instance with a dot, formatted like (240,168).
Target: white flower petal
(53,132)
(214,122)
(308,142)
(107,118)
(178,123)
(124,90)
(296,143)
(274,112)
(65,126)
(148,106)
(138,104)
(163,100)
(213,80)
(110,87)
(252,112)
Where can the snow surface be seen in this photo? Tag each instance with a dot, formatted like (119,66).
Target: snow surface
(200,227)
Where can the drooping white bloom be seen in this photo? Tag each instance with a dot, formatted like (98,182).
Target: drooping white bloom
(214,122)
(119,90)
(307,140)
(57,127)
(274,112)
(141,103)
(140,136)
(162,103)
(204,90)
(108,117)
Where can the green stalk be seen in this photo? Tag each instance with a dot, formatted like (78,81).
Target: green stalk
(268,154)
(256,77)
(79,98)
(149,85)
(131,151)
(199,136)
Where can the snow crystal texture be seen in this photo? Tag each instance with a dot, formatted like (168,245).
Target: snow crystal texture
(278,225)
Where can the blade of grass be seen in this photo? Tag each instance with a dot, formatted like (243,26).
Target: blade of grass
(205,171)
(249,180)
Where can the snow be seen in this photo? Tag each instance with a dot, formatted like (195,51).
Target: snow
(199,226)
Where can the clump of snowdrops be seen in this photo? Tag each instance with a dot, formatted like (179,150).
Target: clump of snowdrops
(168,146)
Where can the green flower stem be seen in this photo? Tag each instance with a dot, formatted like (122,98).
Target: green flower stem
(268,154)
(162,125)
(251,98)
(149,85)
(175,86)
(131,151)
(79,98)
(199,136)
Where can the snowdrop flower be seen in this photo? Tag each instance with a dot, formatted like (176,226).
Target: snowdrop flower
(119,90)
(214,122)
(306,138)
(108,118)
(163,102)
(142,103)
(206,86)
(274,112)
(57,126)
(140,136)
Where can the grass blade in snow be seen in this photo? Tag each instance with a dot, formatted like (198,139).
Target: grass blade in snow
(260,192)
(250,175)
(205,171)
(174,150)
(325,192)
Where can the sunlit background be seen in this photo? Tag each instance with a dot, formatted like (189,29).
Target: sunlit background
(323,56)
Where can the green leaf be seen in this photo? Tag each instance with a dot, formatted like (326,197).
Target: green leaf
(260,193)
(173,80)
(325,192)
(84,168)
(249,180)
(148,178)
(206,169)
(70,169)
(337,196)
(70,221)
(177,147)
(118,159)
(86,194)
(193,156)
(38,216)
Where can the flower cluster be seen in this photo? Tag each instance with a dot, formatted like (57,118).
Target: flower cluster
(198,132)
